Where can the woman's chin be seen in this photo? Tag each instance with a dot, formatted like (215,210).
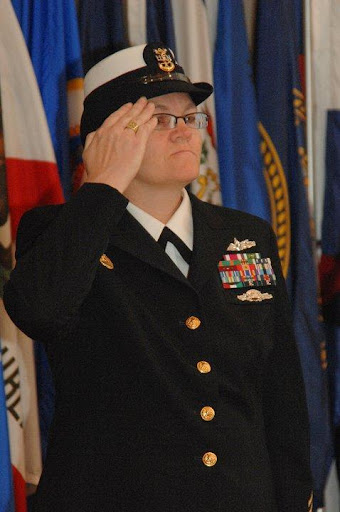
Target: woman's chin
(185,173)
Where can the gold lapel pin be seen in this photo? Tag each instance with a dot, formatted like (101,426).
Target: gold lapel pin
(105,260)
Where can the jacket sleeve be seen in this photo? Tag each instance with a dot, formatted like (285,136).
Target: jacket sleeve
(57,258)
(285,409)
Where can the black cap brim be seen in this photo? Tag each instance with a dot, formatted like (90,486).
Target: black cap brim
(106,99)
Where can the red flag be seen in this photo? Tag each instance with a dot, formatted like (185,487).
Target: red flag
(32,175)
(32,179)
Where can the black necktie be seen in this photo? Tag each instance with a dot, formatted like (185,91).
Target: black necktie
(169,236)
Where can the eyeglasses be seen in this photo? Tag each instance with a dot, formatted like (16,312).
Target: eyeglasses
(195,120)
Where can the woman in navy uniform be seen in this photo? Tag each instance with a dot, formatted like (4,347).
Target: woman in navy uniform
(178,382)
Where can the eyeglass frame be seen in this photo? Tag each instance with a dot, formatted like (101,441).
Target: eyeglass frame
(185,119)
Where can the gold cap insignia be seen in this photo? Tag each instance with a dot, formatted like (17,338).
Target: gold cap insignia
(105,260)
(240,246)
(254,296)
(165,59)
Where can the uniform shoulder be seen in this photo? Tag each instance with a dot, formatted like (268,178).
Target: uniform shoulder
(32,224)
(230,215)
(41,213)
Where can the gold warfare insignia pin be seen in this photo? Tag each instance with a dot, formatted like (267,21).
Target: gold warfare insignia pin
(240,246)
(254,296)
(105,260)
(164,59)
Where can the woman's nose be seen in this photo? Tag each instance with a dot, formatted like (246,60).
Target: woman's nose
(181,129)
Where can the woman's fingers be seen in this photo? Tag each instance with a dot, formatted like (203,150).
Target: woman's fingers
(113,153)
(117,114)
(124,114)
(146,128)
(140,112)
(146,114)
(89,139)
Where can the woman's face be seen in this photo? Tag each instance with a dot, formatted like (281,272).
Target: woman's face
(172,157)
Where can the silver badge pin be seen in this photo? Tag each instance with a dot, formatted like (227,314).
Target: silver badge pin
(240,246)
(254,296)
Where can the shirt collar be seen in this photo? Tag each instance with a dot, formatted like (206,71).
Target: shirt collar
(180,223)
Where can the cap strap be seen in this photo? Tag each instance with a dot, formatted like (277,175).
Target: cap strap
(148,79)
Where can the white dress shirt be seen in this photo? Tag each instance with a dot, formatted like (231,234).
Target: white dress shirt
(181,224)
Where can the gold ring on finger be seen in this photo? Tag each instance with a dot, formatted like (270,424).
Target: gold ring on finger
(133,126)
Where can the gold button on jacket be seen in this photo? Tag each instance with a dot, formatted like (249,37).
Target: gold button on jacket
(207,413)
(209,459)
(203,367)
(192,322)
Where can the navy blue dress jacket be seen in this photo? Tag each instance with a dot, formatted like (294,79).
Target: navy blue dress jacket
(172,394)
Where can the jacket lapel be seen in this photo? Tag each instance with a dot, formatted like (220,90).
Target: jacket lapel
(131,237)
(211,237)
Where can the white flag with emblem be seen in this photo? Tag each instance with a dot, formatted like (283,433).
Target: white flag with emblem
(194,53)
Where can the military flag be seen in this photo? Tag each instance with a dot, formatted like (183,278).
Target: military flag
(329,269)
(29,177)
(6,482)
(149,21)
(194,53)
(136,15)
(56,58)
(32,176)
(326,115)
(283,118)
(102,30)
(159,22)
(330,260)
(242,180)
(325,55)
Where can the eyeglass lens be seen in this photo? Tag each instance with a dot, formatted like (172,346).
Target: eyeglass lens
(195,120)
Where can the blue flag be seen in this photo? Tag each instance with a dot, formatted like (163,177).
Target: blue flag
(45,393)
(51,33)
(282,116)
(330,270)
(238,142)
(50,29)
(102,30)
(6,483)
(331,213)
(159,24)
